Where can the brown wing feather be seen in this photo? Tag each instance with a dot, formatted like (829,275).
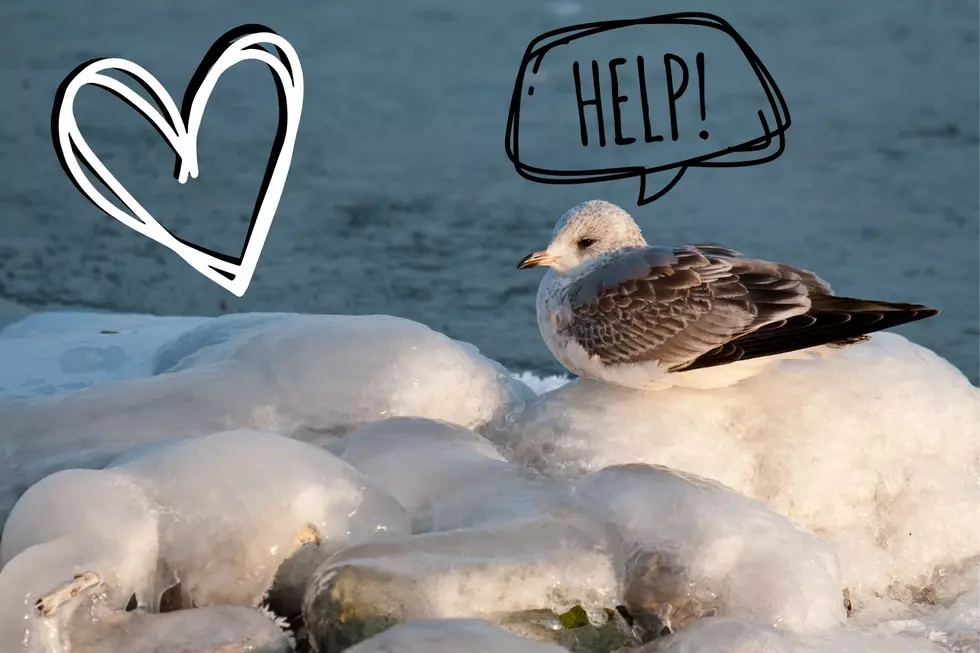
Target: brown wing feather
(814,284)
(676,305)
(700,306)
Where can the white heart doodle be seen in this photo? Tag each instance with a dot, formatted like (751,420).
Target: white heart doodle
(180,131)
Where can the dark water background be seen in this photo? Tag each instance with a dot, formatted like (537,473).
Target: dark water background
(401,199)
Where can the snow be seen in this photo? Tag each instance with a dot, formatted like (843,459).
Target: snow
(373,468)
(540,385)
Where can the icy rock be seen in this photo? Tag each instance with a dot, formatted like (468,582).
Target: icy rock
(235,505)
(447,476)
(215,629)
(550,564)
(691,548)
(717,635)
(574,630)
(75,531)
(218,513)
(450,636)
(312,377)
(873,447)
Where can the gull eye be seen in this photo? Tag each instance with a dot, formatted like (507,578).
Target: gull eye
(585,243)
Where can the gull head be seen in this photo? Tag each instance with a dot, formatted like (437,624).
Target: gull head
(583,233)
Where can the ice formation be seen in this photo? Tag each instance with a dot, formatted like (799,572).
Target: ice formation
(447,476)
(692,547)
(874,449)
(450,636)
(76,530)
(552,563)
(360,473)
(306,376)
(217,514)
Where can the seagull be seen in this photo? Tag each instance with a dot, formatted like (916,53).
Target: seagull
(615,309)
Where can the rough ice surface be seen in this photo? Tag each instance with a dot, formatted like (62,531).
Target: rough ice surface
(728,636)
(450,636)
(217,514)
(449,477)
(874,448)
(691,547)
(551,563)
(947,611)
(311,377)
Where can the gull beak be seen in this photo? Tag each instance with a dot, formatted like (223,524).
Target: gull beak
(536,259)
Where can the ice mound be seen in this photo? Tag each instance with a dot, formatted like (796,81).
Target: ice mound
(312,377)
(336,372)
(728,636)
(693,548)
(449,477)
(874,448)
(450,636)
(74,531)
(551,564)
(217,514)
(233,504)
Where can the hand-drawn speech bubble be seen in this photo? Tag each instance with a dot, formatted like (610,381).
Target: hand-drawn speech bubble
(674,91)
(180,130)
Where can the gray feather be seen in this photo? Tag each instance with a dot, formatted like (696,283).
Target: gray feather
(672,306)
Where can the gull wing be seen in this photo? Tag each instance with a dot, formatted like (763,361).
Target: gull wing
(697,306)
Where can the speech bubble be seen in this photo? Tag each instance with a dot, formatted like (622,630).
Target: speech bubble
(669,92)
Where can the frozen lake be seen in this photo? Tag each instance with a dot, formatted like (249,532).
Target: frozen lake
(401,199)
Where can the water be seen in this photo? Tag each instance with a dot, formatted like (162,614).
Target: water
(401,199)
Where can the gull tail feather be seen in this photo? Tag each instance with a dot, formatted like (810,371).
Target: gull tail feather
(834,321)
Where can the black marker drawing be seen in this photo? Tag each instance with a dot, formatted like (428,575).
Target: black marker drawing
(180,129)
(658,93)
